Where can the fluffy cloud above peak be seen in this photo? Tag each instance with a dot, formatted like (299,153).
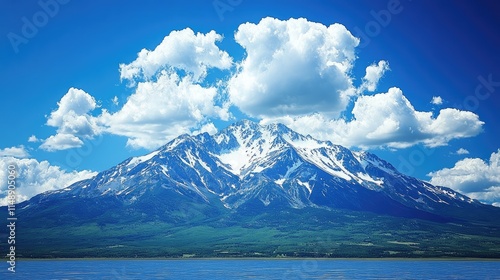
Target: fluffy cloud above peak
(473,177)
(295,71)
(74,101)
(185,50)
(165,104)
(293,67)
(388,120)
(163,109)
(73,121)
(168,102)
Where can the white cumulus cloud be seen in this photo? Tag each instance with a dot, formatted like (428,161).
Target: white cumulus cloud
(295,71)
(171,96)
(437,100)
(474,177)
(373,74)
(163,109)
(34,177)
(462,151)
(185,50)
(33,139)
(390,120)
(61,141)
(208,128)
(293,67)
(72,120)
(17,152)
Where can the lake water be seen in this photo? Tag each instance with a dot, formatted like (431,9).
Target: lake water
(253,269)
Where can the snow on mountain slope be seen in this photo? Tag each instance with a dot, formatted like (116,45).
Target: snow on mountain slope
(136,160)
(251,144)
(263,166)
(254,145)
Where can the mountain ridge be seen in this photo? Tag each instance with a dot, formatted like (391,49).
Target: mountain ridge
(245,150)
(248,175)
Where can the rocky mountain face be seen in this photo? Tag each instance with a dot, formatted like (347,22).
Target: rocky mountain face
(254,191)
(249,167)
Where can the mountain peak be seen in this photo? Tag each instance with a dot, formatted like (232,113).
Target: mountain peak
(247,128)
(244,124)
(268,164)
(251,170)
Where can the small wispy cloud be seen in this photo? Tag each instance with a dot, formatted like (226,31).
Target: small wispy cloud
(33,139)
(437,100)
(17,152)
(373,75)
(462,151)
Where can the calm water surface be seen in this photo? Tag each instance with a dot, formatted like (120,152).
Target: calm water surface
(253,269)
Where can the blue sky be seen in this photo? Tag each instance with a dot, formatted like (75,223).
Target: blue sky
(76,97)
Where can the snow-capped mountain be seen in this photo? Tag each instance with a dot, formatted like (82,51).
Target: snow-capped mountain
(253,191)
(249,166)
